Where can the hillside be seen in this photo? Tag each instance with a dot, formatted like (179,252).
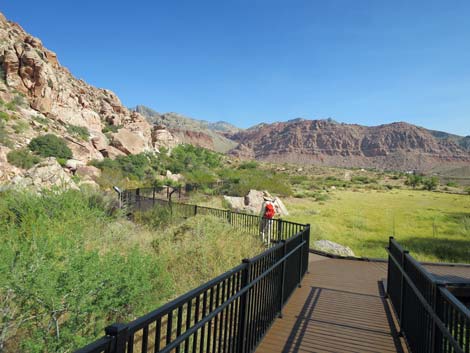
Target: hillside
(399,146)
(196,132)
(38,96)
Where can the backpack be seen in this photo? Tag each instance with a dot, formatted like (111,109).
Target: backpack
(269,211)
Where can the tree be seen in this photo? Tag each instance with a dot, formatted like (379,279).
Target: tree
(414,180)
(431,183)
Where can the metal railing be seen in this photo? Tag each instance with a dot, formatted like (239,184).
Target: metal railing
(145,199)
(230,313)
(431,317)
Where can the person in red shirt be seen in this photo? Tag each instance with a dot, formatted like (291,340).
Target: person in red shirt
(267,213)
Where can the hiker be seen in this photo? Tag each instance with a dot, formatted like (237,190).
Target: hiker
(267,214)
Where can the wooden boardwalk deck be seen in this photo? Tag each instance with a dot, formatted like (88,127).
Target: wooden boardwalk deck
(340,308)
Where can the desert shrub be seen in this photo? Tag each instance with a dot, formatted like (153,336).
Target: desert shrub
(4,136)
(4,116)
(110,128)
(78,131)
(22,158)
(20,127)
(157,217)
(414,180)
(40,120)
(359,179)
(58,289)
(452,184)
(216,245)
(188,158)
(240,182)
(249,165)
(431,183)
(50,146)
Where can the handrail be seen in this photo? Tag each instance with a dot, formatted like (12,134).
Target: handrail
(428,307)
(431,318)
(213,314)
(245,306)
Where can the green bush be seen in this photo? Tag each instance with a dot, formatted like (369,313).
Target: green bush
(4,136)
(414,180)
(50,146)
(431,183)
(4,116)
(249,165)
(22,158)
(20,127)
(63,274)
(110,128)
(79,131)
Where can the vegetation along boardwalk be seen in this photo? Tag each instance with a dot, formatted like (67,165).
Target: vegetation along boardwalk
(289,300)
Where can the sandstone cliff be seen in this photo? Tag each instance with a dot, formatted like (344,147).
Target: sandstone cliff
(41,96)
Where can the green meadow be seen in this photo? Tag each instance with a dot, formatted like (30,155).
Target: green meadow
(433,226)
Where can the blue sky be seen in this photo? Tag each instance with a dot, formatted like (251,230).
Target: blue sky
(250,61)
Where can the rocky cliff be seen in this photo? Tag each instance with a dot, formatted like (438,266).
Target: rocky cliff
(39,96)
(399,146)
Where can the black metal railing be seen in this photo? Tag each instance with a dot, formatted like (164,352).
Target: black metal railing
(146,198)
(431,317)
(230,313)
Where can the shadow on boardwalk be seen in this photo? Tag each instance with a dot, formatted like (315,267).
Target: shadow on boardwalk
(340,308)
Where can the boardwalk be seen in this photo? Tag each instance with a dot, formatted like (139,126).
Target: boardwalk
(340,308)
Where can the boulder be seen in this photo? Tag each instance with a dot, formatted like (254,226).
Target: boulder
(173,177)
(73,164)
(88,172)
(46,174)
(332,248)
(253,203)
(129,142)
(161,137)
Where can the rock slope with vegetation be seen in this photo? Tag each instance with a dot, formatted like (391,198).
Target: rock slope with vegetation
(38,96)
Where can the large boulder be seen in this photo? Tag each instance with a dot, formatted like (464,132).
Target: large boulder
(88,172)
(332,248)
(129,142)
(253,202)
(46,174)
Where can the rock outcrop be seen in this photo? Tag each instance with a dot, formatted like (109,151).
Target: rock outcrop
(46,174)
(332,248)
(47,98)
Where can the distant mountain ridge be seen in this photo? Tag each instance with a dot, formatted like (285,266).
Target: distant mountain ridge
(395,146)
(188,130)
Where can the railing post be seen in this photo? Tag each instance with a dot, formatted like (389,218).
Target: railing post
(283,276)
(153,197)
(279,229)
(402,286)
(307,245)
(301,255)
(389,264)
(119,331)
(242,329)
(436,343)
(195,210)
(137,197)
(229,216)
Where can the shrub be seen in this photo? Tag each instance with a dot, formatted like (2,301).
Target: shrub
(110,128)
(414,180)
(4,137)
(20,127)
(249,165)
(78,131)
(50,146)
(452,184)
(431,183)
(22,158)
(4,116)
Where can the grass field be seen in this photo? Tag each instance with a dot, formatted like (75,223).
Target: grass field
(433,226)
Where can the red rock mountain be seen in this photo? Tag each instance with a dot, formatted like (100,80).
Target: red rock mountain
(397,146)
